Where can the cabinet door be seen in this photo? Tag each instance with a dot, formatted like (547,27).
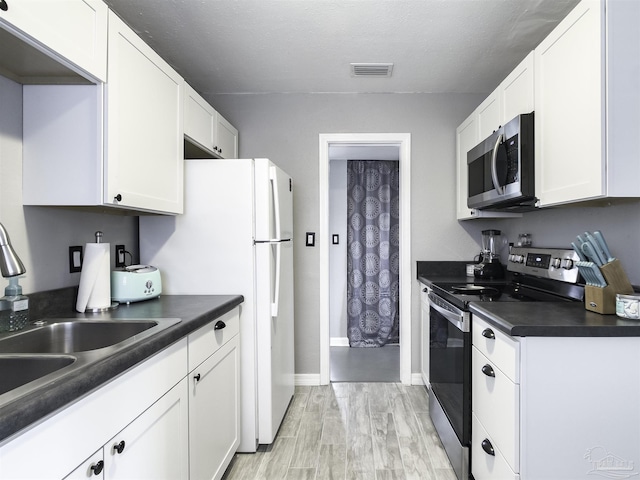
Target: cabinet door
(74,32)
(226,138)
(144,134)
(569,106)
(155,445)
(214,412)
(489,115)
(199,119)
(93,467)
(517,90)
(467,137)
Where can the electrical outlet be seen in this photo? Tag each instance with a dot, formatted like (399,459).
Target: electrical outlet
(75,259)
(120,252)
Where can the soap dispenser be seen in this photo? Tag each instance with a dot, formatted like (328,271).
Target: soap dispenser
(14,307)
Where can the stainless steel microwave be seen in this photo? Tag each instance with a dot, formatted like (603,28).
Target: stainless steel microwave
(501,168)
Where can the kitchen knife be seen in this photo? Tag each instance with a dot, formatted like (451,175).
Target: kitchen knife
(603,244)
(596,248)
(576,249)
(591,254)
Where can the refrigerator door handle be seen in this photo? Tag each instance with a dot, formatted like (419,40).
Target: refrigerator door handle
(276,293)
(273,177)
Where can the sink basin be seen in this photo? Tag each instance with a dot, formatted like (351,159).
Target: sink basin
(17,370)
(74,336)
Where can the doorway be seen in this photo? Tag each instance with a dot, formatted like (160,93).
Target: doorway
(371,146)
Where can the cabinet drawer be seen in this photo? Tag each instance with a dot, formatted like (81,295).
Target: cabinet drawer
(496,403)
(500,349)
(208,339)
(483,465)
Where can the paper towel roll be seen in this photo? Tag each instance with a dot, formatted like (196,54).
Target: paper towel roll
(95,279)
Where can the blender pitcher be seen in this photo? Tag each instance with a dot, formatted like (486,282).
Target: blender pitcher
(489,266)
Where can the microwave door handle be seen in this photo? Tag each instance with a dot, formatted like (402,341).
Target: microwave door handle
(494,167)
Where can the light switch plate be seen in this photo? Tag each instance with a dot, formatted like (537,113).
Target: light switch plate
(75,259)
(311,239)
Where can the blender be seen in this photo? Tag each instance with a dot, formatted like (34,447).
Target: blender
(489,266)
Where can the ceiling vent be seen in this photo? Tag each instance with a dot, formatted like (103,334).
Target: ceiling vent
(371,69)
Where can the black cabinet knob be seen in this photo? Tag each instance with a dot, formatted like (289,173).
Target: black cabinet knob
(97,468)
(487,447)
(3,5)
(488,333)
(488,371)
(118,198)
(196,377)
(219,325)
(119,447)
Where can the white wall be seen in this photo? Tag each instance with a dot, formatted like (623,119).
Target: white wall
(338,253)
(285,128)
(41,235)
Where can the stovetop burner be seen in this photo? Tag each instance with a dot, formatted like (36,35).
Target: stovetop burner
(473,289)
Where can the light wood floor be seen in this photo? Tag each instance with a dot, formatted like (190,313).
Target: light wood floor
(368,431)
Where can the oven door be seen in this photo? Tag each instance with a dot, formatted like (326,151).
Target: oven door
(450,364)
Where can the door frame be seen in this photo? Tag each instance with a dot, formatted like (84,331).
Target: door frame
(403,140)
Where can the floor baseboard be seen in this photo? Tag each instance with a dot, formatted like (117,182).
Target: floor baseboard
(307,379)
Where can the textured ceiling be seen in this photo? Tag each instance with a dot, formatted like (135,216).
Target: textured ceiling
(306,46)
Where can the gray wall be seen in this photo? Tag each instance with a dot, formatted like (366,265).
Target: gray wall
(558,227)
(41,235)
(338,253)
(285,128)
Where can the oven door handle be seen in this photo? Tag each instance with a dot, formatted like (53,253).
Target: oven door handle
(457,320)
(494,166)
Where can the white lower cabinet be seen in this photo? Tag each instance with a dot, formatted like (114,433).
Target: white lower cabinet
(554,407)
(175,416)
(214,398)
(154,446)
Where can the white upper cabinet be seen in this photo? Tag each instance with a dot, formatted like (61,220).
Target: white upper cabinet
(118,144)
(62,41)
(488,115)
(517,90)
(514,96)
(144,134)
(199,120)
(226,145)
(467,137)
(587,103)
(205,128)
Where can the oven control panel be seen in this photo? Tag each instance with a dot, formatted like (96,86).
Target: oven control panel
(554,263)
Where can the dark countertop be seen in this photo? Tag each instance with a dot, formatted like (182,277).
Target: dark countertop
(553,319)
(522,319)
(194,311)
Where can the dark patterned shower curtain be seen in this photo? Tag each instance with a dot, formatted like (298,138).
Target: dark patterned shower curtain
(373,263)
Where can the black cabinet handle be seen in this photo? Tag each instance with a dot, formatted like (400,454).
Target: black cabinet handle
(425,290)
(487,447)
(3,5)
(196,377)
(118,198)
(219,325)
(488,371)
(119,447)
(97,468)
(488,333)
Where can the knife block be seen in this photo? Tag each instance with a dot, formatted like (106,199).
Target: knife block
(603,300)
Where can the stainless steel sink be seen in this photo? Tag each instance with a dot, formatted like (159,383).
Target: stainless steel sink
(43,354)
(74,336)
(18,370)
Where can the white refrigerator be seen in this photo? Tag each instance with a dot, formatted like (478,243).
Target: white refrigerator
(236,237)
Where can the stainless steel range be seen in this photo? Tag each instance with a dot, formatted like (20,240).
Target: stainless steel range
(534,274)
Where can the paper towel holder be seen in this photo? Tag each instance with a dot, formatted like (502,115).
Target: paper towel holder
(113,305)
